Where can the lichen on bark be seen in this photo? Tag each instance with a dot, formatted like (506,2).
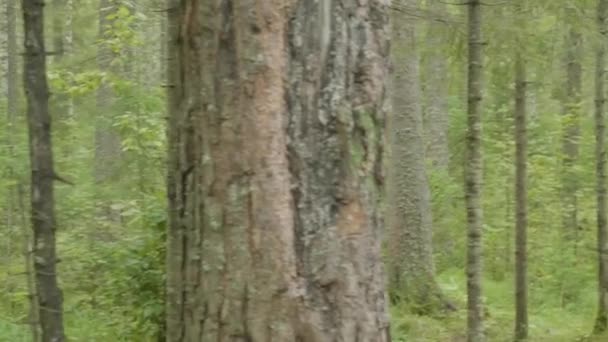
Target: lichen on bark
(274,232)
(410,251)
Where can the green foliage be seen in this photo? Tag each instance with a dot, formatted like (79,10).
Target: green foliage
(75,84)
(548,321)
(112,270)
(132,287)
(562,272)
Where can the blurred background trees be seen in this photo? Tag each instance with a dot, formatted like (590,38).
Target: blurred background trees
(106,73)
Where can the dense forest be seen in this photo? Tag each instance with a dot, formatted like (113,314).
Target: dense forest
(306,171)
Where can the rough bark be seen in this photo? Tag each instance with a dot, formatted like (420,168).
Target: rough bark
(276,120)
(42,173)
(436,116)
(15,215)
(28,250)
(601,321)
(571,129)
(107,140)
(410,224)
(521,191)
(473,176)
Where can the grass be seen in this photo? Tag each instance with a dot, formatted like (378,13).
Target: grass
(13,332)
(549,322)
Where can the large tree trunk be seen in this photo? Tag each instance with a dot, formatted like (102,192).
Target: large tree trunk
(276,124)
(436,116)
(473,176)
(410,224)
(43,175)
(521,189)
(601,322)
(436,119)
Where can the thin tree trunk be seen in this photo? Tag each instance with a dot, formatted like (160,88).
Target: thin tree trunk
(410,224)
(11,100)
(521,192)
(571,130)
(276,123)
(68,42)
(42,176)
(59,12)
(162,53)
(128,66)
(601,321)
(108,148)
(4,27)
(508,256)
(11,73)
(68,27)
(473,177)
(60,103)
(107,140)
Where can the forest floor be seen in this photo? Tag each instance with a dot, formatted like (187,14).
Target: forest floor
(549,322)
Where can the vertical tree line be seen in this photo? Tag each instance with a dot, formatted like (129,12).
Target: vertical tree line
(50,301)
(473,175)
(323,161)
(436,114)
(601,322)
(521,179)
(107,141)
(571,127)
(410,224)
